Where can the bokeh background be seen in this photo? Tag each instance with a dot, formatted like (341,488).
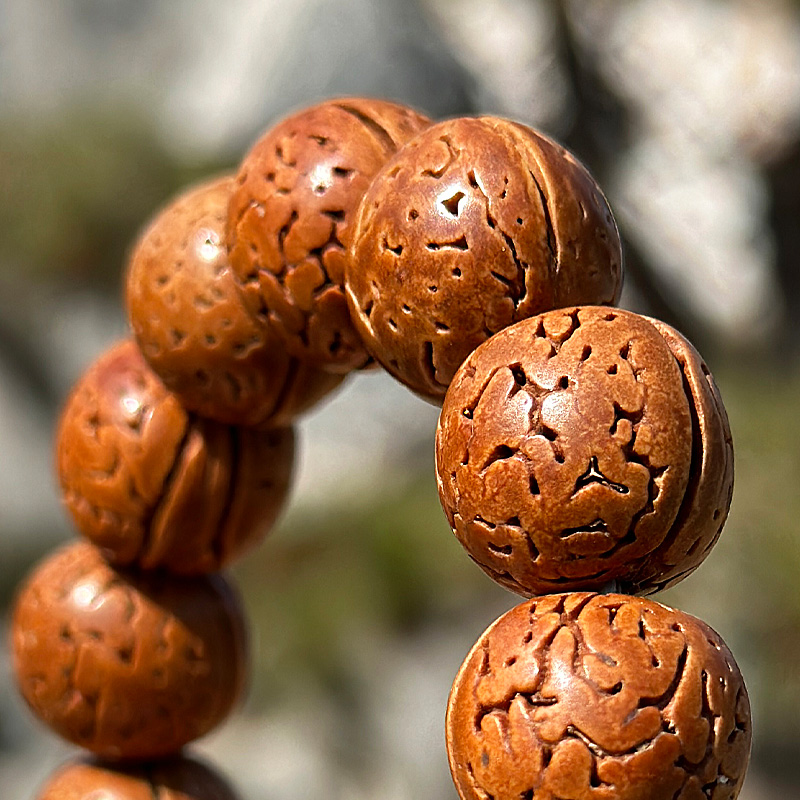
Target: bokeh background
(361,601)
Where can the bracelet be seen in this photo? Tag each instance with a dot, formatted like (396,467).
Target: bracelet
(583,459)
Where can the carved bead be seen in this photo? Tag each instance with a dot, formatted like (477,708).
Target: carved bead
(126,664)
(475,224)
(194,328)
(598,697)
(585,446)
(157,487)
(173,779)
(291,217)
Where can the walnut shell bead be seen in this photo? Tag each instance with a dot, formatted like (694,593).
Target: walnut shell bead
(194,328)
(585,446)
(291,216)
(174,779)
(473,225)
(128,665)
(595,697)
(157,487)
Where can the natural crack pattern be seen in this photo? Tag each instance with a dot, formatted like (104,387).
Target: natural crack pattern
(472,226)
(291,214)
(195,329)
(598,697)
(569,455)
(126,666)
(157,487)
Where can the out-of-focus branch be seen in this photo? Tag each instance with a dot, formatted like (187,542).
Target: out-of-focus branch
(598,132)
(783,178)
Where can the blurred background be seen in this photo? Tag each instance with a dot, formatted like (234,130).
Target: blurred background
(361,601)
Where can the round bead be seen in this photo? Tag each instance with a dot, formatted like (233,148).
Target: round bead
(155,486)
(291,217)
(190,320)
(585,446)
(127,665)
(596,697)
(473,225)
(174,779)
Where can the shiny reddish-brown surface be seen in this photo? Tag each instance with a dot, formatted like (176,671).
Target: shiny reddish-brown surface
(128,665)
(155,486)
(585,446)
(291,218)
(475,224)
(189,317)
(174,779)
(594,697)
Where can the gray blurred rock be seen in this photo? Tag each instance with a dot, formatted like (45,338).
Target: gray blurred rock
(379,48)
(215,74)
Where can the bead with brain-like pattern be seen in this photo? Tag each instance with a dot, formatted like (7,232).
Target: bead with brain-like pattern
(598,697)
(178,778)
(291,214)
(129,665)
(155,486)
(472,226)
(583,447)
(194,328)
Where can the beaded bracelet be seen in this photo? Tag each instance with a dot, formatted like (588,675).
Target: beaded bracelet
(583,459)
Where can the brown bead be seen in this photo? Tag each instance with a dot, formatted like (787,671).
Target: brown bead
(593,697)
(155,486)
(174,779)
(581,447)
(291,218)
(475,224)
(190,319)
(128,665)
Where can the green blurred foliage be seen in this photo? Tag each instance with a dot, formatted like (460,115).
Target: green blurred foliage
(387,569)
(77,186)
